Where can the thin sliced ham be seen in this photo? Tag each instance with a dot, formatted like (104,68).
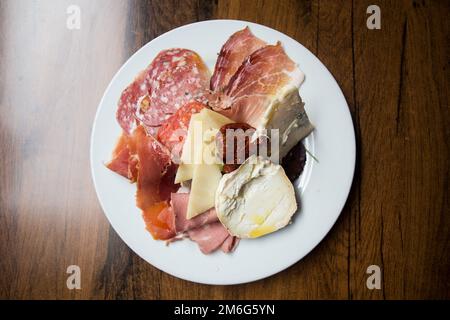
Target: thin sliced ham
(158,220)
(124,158)
(209,237)
(120,157)
(229,244)
(238,47)
(179,204)
(174,78)
(205,229)
(142,159)
(257,84)
(154,184)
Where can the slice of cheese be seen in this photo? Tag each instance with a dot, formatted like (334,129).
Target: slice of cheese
(256,199)
(184,173)
(199,146)
(287,114)
(185,168)
(205,180)
(199,162)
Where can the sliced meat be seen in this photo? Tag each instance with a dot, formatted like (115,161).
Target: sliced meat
(238,47)
(142,159)
(179,205)
(124,159)
(153,185)
(173,132)
(121,154)
(205,229)
(158,219)
(127,105)
(133,159)
(229,244)
(174,78)
(255,86)
(209,237)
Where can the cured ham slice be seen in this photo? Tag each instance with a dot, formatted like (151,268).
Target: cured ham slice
(121,154)
(264,94)
(257,84)
(124,159)
(173,132)
(174,78)
(154,184)
(209,237)
(238,47)
(142,159)
(158,220)
(179,205)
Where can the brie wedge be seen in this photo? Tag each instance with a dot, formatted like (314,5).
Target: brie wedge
(288,115)
(256,199)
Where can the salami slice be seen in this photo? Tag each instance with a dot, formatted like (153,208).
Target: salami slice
(173,132)
(174,78)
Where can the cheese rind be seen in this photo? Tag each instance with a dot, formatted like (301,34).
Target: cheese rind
(256,199)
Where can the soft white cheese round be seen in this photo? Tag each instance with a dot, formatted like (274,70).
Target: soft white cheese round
(256,199)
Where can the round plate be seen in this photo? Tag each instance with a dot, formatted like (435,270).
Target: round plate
(322,188)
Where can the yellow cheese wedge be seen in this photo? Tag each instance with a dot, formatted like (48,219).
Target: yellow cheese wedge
(185,168)
(203,189)
(203,127)
(199,162)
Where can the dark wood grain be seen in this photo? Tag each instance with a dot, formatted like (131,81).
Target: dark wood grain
(395,81)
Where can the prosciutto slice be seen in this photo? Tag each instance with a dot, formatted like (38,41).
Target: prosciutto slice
(175,77)
(141,158)
(154,183)
(124,160)
(257,83)
(264,94)
(121,154)
(238,47)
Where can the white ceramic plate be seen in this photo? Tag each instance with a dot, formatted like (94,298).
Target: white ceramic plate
(323,187)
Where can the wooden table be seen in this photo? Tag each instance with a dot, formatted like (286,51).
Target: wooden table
(395,81)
